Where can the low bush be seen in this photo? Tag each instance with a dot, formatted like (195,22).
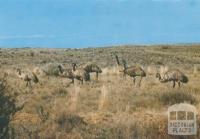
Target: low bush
(173,97)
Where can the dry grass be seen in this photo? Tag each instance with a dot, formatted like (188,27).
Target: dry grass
(110,108)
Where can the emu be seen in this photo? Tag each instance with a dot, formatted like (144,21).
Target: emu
(134,71)
(92,67)
(80,73)
(73,73)
(67,73)
(174,76)
(27,77)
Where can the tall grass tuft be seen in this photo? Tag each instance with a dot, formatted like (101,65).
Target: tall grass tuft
(196,69)
(103,97)
(74,98)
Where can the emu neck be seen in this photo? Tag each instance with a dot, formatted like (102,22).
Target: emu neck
(74,67)
(19,72)
(117,59)
(60,70)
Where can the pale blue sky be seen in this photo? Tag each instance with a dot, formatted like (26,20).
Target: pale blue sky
(96,23)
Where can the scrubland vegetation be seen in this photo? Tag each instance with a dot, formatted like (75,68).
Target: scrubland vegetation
(108,108)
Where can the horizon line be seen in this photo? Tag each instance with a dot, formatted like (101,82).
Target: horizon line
(104,46)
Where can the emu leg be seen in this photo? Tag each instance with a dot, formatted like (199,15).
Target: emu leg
(134,80)
(174,84)
(30,83)
(26,83)
(97,74)
(72,81)
(179,84)
(86,77)
(124,75)
(140,81)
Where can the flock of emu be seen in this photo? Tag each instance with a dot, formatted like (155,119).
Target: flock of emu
(82,73)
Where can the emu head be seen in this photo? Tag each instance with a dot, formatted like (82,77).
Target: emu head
(19,71)
(60,68)
(35,78)
(143,74)
(74,66)
(124,63)
(160,79)
(158,76)
(117,58)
